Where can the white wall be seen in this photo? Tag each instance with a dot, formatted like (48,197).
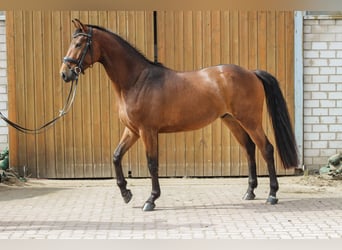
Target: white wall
(322,57)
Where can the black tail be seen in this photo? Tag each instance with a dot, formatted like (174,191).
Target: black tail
(277,108)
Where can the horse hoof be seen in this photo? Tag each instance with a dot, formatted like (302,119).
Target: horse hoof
(272,200)
(148,206)
(127,196)
(249,196)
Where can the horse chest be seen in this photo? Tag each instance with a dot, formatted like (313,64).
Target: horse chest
(128,117)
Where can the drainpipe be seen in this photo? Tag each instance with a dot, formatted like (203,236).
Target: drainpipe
(298,81)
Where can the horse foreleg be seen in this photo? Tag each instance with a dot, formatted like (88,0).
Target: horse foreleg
(151,144)
(127,140)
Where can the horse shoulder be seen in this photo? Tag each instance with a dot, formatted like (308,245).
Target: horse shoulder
(134,104)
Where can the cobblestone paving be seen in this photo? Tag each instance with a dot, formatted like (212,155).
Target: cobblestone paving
(188,209)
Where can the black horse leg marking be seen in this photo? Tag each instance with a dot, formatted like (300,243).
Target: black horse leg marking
(252,175)
(274,186)
(120,179)
(153,169)
(150,139)
(127,140)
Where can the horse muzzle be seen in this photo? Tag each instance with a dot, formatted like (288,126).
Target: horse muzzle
(70,74)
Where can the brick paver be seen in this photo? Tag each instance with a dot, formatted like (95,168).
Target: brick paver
(188,209)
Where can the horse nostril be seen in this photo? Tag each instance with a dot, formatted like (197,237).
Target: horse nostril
(64,76)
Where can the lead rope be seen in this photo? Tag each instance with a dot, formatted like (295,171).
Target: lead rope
(68,103)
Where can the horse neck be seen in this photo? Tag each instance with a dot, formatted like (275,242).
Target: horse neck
(122,66)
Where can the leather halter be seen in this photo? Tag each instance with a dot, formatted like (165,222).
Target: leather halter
(79,62)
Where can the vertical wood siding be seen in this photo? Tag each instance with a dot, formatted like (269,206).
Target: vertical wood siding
(82,144)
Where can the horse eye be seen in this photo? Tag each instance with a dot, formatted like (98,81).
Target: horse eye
(78,45)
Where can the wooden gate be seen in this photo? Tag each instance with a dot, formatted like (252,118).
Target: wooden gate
(81,145)
(190,40)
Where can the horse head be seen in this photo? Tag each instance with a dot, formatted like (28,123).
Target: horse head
(80,54)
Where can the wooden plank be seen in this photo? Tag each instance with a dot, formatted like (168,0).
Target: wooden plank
(243,42)
(149,35)
(289,69)
(262,27)
(30,92)
(178,26)
(11,77)
(252,40)
(49,94)
(63,151)
(39,92)
(21,91)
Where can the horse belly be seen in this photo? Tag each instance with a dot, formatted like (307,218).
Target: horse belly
(189,116)
(191,104)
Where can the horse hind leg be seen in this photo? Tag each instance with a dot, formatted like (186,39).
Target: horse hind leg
(267,151)
(127,140)
(246,142)
(252,174)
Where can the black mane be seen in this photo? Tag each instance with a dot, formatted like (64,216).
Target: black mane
(125,44)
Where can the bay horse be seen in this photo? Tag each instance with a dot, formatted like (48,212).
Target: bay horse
(154,99)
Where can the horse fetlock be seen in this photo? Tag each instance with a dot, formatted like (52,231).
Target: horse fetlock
(122,185)
(154,195)
(274,187)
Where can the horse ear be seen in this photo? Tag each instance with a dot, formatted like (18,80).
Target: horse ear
(79,25)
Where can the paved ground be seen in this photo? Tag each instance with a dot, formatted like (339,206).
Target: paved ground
(188,208)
